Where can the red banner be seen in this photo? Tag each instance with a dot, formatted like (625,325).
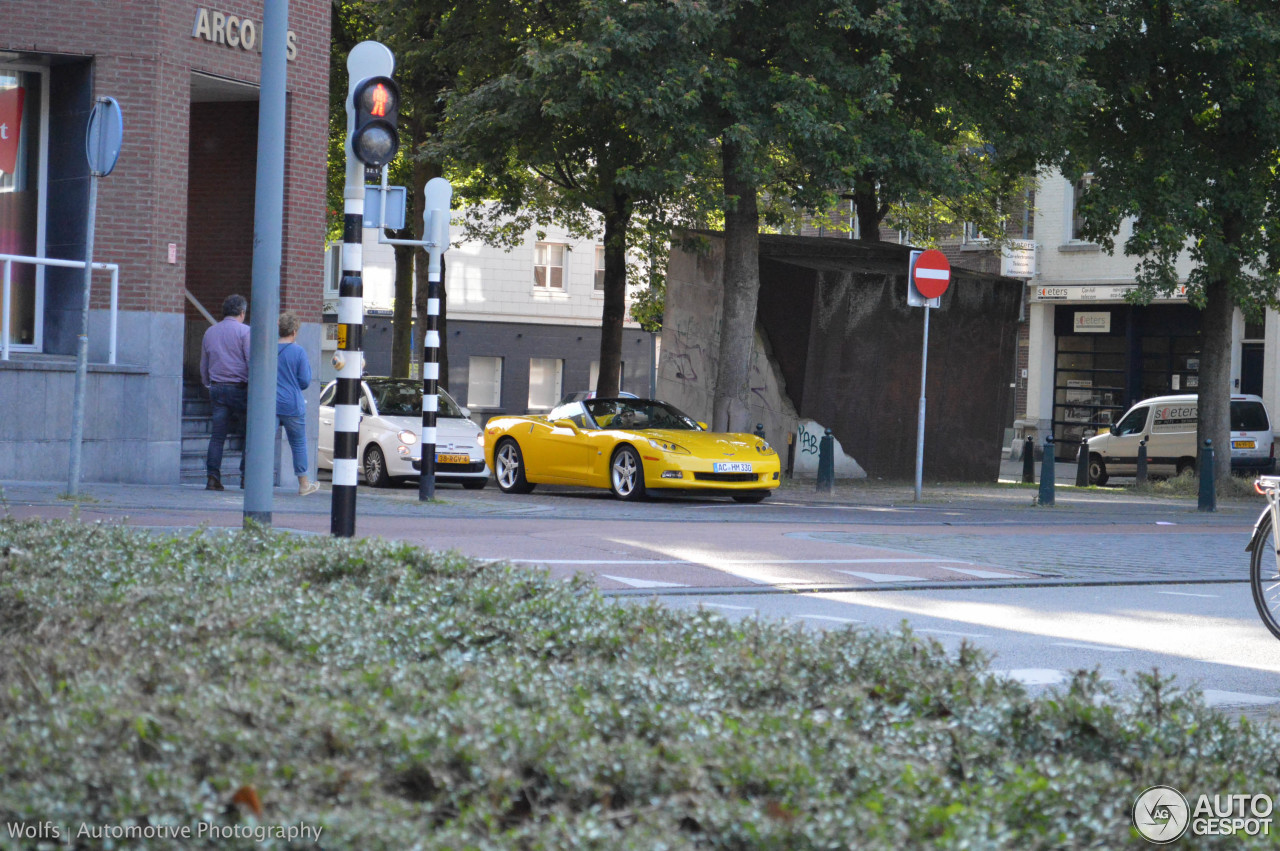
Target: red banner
(10,127)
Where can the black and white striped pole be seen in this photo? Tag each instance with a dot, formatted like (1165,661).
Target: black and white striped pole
(372,101)
(435,220)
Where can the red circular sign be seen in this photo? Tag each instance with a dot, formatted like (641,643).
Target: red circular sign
(932,273)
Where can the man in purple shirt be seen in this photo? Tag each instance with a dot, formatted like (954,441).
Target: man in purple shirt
(224,369)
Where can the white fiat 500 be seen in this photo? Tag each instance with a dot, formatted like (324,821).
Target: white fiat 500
(390,426)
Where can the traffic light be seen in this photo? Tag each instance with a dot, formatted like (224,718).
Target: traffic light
(374,140)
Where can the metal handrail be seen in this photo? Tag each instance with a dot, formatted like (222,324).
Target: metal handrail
(10,259)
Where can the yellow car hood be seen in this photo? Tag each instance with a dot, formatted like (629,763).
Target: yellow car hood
(709,444)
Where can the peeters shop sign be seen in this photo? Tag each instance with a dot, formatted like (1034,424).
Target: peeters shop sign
(235,32)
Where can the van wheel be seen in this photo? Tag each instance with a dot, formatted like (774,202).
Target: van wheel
(1097,470)
(1185,465)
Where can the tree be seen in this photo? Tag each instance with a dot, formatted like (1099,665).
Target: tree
(1184,137)
(569,107)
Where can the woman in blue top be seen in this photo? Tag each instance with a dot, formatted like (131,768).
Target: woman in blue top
(293,375)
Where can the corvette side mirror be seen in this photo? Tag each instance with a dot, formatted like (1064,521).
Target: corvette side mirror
(702,426)
(569,424)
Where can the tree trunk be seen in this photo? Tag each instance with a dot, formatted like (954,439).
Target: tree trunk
(740,292)
(402,319)
(616,220)
(867,205)
(1215,376)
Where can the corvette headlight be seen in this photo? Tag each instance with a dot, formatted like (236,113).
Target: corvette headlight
(408,438)
(674,448)
(764,448)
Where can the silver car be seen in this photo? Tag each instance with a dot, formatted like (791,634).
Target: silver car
(390,448)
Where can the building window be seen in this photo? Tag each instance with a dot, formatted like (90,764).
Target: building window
(22,201)
(599,268)
(484,382)
(595,374)
(545,381)
(1078,189)
(548,265)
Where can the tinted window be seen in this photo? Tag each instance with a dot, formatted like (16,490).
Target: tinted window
(1249,416)
(638,413)
(404,399)
(1133,422)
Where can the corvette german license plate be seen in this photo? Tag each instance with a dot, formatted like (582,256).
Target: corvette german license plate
(1243,444)
(453,459)
(731,467)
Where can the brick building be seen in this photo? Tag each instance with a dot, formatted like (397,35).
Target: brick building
(176,215)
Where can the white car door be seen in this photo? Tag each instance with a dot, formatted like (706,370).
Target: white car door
(324,441)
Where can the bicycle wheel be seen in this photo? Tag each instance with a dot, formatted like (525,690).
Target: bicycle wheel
(1264,578)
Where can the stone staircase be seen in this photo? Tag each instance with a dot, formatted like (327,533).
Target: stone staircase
(196,425)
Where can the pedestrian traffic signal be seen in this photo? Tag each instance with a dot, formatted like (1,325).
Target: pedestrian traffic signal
(374,140)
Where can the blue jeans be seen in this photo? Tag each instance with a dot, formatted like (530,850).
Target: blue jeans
(230,402)
(295,428)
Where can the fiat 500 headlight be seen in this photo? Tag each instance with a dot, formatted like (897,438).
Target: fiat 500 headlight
(674,448)
(408,438)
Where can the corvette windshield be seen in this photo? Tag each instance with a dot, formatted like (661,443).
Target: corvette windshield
(638,413)
(404,399)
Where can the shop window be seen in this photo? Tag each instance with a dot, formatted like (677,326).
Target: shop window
(484,382)
(545,382)
(595,374)
(21,200)
(1089,387)
(548,265)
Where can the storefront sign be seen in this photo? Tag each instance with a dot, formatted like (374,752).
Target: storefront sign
(1107,292)
(1018,259)
(232,31)
(10,127)
(1092,323)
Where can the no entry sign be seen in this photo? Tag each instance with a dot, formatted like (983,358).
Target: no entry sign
(931,273)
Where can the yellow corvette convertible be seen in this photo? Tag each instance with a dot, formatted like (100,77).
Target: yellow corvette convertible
(631,446)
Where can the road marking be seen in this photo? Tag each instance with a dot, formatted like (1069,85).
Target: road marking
(980,574)
(1187,594)
(642,583)
(751,562)
(727,606)
(1216,697)
(881,577)
(831,618)
(952,632)
(1097,647)
(1033,676)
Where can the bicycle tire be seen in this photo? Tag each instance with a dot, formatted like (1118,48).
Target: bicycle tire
(1264,578)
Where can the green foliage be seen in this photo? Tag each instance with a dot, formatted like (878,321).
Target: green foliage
(401,698)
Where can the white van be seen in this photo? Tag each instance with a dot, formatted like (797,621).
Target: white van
(1169,425)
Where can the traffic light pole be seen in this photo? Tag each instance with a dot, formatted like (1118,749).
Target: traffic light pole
(367,59)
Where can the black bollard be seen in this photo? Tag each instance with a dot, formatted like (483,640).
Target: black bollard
(760,430)
(827,463)
(1029,461)
(1141,477)
(1082,464)
(1047,472)
(1208,496)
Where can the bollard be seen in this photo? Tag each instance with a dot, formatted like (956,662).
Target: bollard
(1208,497)
(1029,461)
(1141,477)
(826,463)
(1082,463)
(759,432)
(1047,472)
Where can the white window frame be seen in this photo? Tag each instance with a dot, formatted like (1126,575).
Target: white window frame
(42,202)
(1075,191)
(492,401)
(594,374)
(542,258)
(599,281)
(557,384)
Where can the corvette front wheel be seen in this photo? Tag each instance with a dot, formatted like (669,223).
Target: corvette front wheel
(509,464)
(626,475)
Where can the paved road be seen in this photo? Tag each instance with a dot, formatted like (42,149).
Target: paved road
(1205,635)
